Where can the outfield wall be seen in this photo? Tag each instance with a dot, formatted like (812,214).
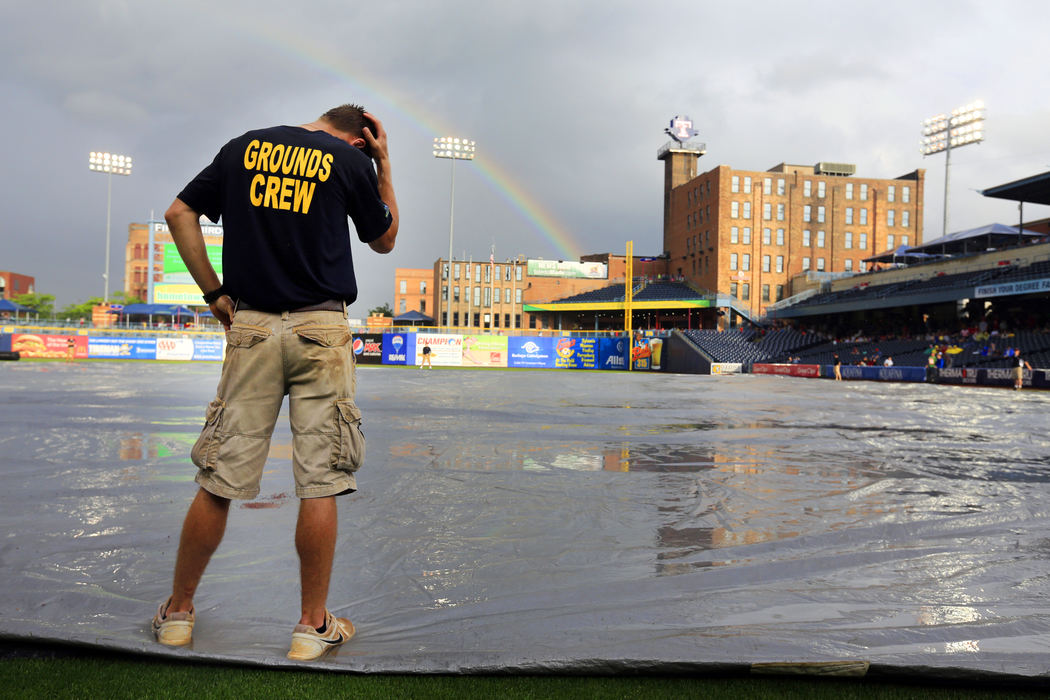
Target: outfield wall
(973,376)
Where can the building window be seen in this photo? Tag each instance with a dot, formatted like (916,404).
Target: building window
(891,193)
(767,211)
(732,261)
(904,239)
(488,296)
(863,216)
(849,239)
(734,210)
(807,213)
(477,301)
(746,292)
(497,273)
(891,215)
(780,185)
(805,238)
(732,289)
(820,239)
(444,271)
(863,241)
(780,292)
(766,236)
(849,265)
(401,307)
(849,215)
(863,193)
(477,274)
(820,188)
(517,272)
(905,218)
(747,210)
(506,295)
(807,188)
(517,296)
(780,212)
(767,185)
(765,292)
(820,264)
(422,286)
(422,306)
(403,287)
(905,194)
(805,264)
(488,273)
(820,215)
(455,271)
(747,184)
(890,239)
(780,263)
(746,262)
(455,293)
(780,236)
(734,234)
(849,190)
(746,236)
(455,318)
(765,263)
(734,186)
(863,266)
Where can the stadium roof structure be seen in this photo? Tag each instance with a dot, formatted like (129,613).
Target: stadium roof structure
(976,240)
(652,295)
(903,254)
(1034,189)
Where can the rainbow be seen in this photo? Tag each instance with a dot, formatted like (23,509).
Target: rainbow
(495,176)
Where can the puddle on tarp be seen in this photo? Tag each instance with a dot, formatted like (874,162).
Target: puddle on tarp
(554,521)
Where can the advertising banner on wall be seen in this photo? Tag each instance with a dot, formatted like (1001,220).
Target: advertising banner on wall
(577,353)
(210,348)
(726,368)
(612,353)
(446,349)
(485,351)
(786,369)
(127,348)
(175,349)
(396,348)
(52,346)
(368,349)
(528,351)
(558,268)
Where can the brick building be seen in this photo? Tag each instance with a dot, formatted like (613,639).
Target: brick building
(414,290)
(13,284)
(747,233)
(172,284)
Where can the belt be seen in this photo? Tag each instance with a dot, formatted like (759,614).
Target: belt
(330,305)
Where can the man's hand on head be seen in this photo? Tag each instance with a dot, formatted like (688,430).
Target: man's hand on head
(375,136)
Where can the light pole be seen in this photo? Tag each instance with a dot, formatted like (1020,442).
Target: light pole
(454,149)
(111,164)
(965,125)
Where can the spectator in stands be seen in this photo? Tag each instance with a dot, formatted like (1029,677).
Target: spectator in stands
(888,362)
(1019,365)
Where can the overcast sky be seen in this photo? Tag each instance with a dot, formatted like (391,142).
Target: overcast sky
(567,102)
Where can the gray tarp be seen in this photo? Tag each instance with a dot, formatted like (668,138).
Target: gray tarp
(554,520)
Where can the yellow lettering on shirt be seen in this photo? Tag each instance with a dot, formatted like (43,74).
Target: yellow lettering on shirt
(271,161)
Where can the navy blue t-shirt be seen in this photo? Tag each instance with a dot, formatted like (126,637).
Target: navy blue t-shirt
(284,195)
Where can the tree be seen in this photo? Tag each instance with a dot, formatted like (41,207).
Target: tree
(81,310)
(41,304)
(384,310)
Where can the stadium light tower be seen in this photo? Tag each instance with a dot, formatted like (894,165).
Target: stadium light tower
(965,125)
(111,164)
(453,149)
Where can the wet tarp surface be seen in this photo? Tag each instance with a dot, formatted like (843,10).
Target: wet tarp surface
(562,521)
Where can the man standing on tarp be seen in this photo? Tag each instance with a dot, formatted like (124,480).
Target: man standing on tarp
(284,194)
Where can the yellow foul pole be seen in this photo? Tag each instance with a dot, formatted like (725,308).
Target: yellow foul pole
(628,300)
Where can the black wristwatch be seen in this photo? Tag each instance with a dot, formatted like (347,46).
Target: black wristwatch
(213,296)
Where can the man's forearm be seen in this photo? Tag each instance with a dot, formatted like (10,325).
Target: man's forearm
(385,243)
(185,227)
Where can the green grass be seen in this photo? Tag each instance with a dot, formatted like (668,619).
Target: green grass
(114,678)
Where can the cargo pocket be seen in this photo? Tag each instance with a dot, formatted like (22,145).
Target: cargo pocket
(245,336)
(329,336)
(349,450)
(206,450)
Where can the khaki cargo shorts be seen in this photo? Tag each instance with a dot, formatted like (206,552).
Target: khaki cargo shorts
(309,357)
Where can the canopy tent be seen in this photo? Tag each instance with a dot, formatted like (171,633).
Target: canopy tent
(150,310)
(976,240)
(902,254)
(8,305)
(413,318)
